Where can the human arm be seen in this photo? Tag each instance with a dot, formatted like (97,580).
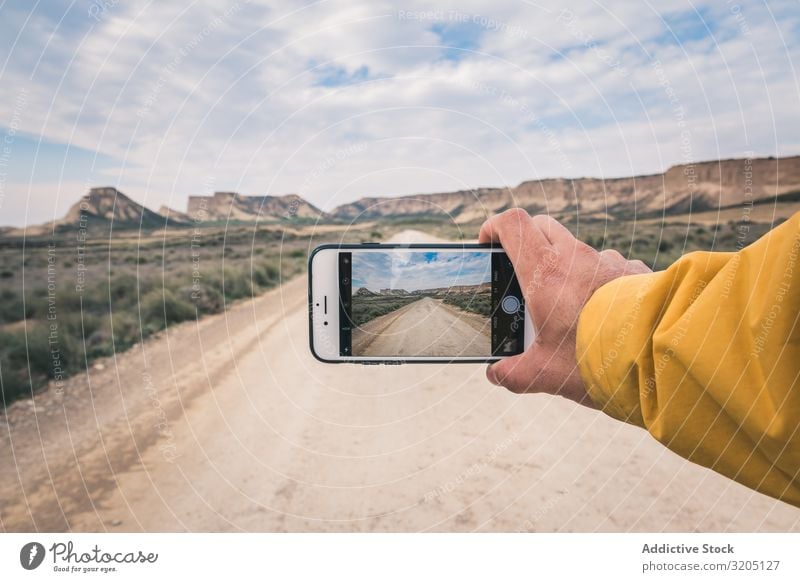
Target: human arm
(705,355)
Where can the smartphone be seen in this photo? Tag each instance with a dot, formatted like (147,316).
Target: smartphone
(415,303)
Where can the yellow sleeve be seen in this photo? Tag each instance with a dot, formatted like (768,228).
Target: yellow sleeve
(706,357)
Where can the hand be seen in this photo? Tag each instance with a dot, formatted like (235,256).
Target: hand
(558,274)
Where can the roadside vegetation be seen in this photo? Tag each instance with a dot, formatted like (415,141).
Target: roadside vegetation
(367,308)
(63,305)
(480,303)
(658,243)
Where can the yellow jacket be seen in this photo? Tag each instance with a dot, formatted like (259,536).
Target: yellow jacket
(706,357)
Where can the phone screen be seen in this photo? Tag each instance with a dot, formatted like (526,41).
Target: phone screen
(438,303)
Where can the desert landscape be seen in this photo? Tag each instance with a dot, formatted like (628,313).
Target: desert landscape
(274,268)
(185,397)
(421,303)
(230,425)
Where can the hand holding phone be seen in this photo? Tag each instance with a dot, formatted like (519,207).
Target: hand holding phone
(558,274)
(415,303)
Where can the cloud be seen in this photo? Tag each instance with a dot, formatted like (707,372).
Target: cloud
(416,270)
(255,96)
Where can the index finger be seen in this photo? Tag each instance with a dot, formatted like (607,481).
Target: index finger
(532,253)
(519,235)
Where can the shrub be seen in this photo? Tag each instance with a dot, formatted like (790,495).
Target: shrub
(266,275)
(367,309)
(125,329)
(14,379)
(11,307)
(234,283)
(480,304)
(160,308)
(205,298)
(27,358)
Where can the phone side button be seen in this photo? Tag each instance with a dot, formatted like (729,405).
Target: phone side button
(393,362)
(371,363)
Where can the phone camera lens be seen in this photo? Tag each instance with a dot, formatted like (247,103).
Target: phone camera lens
(325,323)
(345,280)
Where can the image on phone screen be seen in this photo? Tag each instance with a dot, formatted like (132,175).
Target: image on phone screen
(438,303)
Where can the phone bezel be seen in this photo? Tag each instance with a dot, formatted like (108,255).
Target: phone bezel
(528,332)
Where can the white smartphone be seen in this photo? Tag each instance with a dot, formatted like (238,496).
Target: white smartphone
(415,303)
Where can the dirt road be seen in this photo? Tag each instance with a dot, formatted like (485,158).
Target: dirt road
(229,424)
(427,327)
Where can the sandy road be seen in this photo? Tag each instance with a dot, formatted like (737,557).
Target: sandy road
(427,327)
(230,424)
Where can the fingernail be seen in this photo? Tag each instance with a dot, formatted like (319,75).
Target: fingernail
(491,375)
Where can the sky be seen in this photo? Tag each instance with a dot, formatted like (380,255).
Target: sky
(335,100)
(413,271)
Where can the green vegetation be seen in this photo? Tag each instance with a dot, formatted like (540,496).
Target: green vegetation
(480,303)
(110,293)
(84,302)
(659,244)
(367,308)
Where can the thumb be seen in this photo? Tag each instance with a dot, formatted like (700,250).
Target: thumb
(515,373)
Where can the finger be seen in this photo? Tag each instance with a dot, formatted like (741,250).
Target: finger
(637,267)
(505,227)
(556,233)
(486,233)
(507,372)
(612,254)
(539,370)
(520,238)
(519,373)
(534,258)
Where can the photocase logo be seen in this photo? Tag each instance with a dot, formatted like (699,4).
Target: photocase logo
(31,555)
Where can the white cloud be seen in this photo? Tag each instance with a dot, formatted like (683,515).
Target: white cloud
(413,271)
(187,97)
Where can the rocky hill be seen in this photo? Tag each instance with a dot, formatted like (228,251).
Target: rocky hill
(99,210)
(106,207)
(393,292)
(174,215)
(112,205)
(456,290)
(229,206)
(684,188)
(452,290)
